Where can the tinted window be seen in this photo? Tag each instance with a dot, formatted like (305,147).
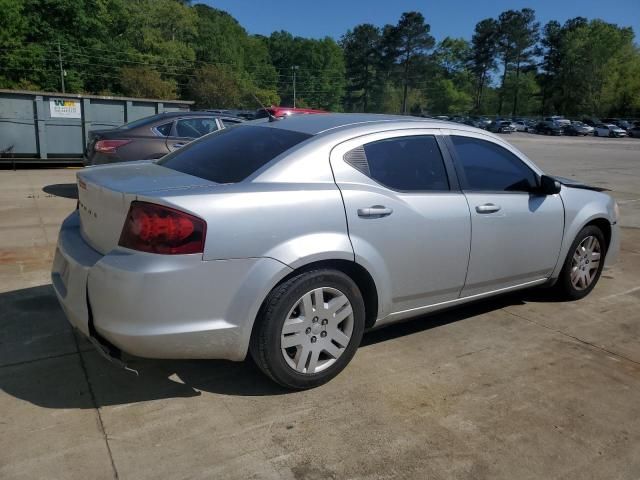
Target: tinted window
(406,163)
(195,127)
(231,155)
(164,129)
(489,167)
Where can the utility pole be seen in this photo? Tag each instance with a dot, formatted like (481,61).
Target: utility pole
(294,69)
(61,69)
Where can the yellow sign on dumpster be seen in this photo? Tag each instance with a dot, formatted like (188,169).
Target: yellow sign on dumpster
(64,108)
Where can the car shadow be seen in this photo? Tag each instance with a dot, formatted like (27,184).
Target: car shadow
(74,375)
(65,190)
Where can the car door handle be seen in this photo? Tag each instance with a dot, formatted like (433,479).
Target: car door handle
(177,145)
(376,211)
(488,208)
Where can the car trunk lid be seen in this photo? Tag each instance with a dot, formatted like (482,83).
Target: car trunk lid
(105,194)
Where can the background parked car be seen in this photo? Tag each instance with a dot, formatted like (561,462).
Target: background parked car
(482,122)
(522,125)
(591,121)
(501,126)
(578,129)
(474,123)
(618,122)
(152,137)
(558,120)
(634,131)
(281,112)
(548,128)
(609,130)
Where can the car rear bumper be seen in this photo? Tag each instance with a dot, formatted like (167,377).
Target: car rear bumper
(161,306)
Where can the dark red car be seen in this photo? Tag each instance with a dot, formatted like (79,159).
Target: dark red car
(281,112)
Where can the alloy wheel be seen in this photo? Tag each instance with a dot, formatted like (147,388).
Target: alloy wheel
(585,263)
(317,330)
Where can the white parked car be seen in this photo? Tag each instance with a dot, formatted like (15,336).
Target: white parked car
(583,127)
(609,130)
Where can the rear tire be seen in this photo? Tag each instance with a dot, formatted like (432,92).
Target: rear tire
(308,329)
(583,264)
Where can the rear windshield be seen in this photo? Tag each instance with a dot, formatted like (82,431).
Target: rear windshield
(139,123)
(232,154)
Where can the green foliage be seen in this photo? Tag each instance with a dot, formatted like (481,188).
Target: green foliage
(320,72)
(362,52)
(405,48)
(517,39)
(174,48)
(484,49)
(146,83)
(590,68)
(220,86)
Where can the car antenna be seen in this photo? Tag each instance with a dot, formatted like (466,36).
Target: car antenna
(271,117)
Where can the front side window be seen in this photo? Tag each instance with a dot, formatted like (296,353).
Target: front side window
(412,163)
(232,154)
(195,127)
(485,166)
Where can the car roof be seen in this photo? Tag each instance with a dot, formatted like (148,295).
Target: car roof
(319,123)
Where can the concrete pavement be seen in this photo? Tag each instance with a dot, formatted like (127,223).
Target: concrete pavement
(515,387)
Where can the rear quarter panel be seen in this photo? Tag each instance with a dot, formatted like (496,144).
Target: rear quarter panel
(296,217)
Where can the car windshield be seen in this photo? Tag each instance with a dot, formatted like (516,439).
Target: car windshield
(232,154)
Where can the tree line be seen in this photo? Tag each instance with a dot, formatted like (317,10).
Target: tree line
(512,65)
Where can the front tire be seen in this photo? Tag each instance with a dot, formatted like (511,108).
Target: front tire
(583,265)
(309,329)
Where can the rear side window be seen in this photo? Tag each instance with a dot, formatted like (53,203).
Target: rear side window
(485,166)
(195,127)
(412,163)
(231,155)
(164,130)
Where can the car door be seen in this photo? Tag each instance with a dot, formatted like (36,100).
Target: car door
(516,234)
(407,220)
(187,129)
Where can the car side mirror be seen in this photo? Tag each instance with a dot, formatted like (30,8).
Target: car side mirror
(549,185)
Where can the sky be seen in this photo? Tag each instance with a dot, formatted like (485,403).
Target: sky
(454,18)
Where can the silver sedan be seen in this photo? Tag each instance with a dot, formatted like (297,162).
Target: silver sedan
(287,239)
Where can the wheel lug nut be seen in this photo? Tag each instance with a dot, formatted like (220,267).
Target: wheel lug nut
(308,330)
(314,339)
(323,334)
(315,320)
(325,321)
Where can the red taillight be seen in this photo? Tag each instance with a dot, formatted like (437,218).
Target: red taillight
(109,146)
(157,229)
